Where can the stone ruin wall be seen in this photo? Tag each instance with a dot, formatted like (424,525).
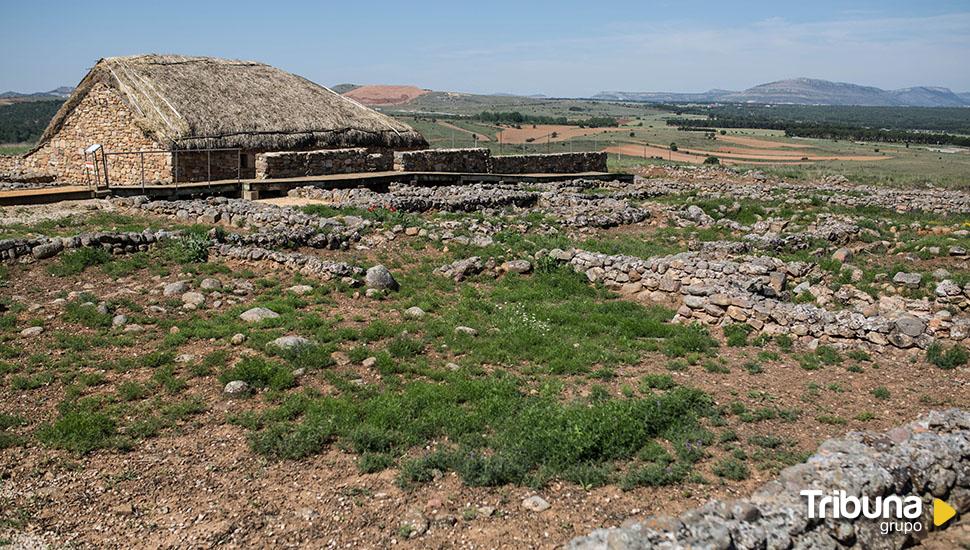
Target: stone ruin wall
(443,160)
(556,163)
(101,117)
(929,458)
(712,289)
(286,164)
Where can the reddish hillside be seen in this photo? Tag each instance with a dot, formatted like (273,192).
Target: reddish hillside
(385,95)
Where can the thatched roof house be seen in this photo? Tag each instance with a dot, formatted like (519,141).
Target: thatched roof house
(179,103)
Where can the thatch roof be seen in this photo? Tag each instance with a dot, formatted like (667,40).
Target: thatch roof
(205,102)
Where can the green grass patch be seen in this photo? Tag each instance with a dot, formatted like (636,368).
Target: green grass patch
(497,432)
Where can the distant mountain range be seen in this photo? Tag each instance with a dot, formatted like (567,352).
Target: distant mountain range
(57,93)
(807,91)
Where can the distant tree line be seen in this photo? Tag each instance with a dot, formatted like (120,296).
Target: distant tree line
(25,122)
(515,117)
(949,120)
(822,130)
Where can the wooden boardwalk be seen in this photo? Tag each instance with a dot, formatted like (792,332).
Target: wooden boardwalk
(255,189)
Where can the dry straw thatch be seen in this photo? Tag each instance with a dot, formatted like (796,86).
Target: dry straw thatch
(204,102)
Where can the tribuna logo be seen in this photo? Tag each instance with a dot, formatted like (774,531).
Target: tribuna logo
(839,505)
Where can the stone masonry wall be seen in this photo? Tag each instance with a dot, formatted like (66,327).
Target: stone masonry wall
(211,166)
(481,161)
(286,164)
(101,117)
(928,458)
(443,160)
(560,163)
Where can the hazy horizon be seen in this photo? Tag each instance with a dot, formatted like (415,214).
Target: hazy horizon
(569,49)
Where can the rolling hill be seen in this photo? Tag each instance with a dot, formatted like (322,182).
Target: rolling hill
(807,91)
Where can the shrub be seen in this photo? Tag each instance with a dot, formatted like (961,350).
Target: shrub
(946,358)
(880,393)
(192,248)
(737,334)
(712,160)
(731,468)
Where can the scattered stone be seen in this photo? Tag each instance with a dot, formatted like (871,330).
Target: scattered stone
(133,327)
(414,523)
(300,289)
(369,362)
(175,289)
(518,266)
(414,312)
(30,332)
(380,278)
(843,255)
(958,251)
(290,342)
(210,284)
(535,503)
(258,314)
(237,339)
(466,330)
(193,298)
(119,320)
(236,387)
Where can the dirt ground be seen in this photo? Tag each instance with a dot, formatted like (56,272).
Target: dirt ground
(542,132)
(202,485)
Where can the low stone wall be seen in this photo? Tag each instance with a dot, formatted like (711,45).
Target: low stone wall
(272,225)
(292,164)
(713,287)
(312,266)
(41,248)
(443,160)
(928,458)
(558,163)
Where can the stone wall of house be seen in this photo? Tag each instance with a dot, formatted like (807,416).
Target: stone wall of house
(443,160)
(292,164)
(926,459)
(18,169)
(101,117)
(481,161)
(211,166)
(558,163)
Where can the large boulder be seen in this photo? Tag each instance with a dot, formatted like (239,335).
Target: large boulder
(380,278)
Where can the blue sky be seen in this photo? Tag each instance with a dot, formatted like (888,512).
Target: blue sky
(561,48)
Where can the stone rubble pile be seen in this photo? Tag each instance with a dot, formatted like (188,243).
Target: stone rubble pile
(565,201)
(836,193)
(273,225)
(714,288)
(412,198)
(312,266)
(927,458)
(40,248)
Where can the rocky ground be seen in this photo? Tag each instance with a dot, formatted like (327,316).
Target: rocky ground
(482,366)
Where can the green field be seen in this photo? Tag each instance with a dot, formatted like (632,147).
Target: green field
(900,165)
